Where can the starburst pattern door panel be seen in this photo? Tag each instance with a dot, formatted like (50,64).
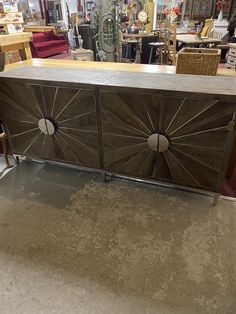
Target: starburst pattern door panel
(52,122)
(174,139)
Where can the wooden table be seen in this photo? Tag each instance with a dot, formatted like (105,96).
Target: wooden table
(17,41)
(192,40)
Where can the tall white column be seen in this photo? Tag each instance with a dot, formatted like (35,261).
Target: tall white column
(183,10)
(155,15)
(64,11)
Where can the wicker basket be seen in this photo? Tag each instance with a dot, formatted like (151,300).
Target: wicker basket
(199,61)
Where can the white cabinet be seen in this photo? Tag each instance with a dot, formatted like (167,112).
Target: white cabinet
(231,61)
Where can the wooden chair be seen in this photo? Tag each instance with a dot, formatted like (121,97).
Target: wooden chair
(129,46)
(171,44)
(159,51)
(166,34)
(158,45)
(169,38)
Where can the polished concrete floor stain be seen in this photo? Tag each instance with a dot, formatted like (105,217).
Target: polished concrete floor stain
(70,243)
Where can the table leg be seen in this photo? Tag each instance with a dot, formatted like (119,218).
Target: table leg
(6,55)
(138,52)
(160,57)
(25,52)
(6,58)
(150,56)
(216,199)
(3,139)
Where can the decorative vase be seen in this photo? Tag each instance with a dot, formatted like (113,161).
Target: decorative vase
(220,16)
(2,61)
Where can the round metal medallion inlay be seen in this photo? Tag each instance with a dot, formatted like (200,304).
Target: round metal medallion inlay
(158,142)
(46,126)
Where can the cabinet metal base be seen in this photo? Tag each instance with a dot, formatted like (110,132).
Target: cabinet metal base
(108,176)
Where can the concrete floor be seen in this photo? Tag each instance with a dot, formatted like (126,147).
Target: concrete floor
(3,168)
(70,243)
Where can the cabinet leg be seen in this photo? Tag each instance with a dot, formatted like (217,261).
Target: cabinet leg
(104,176)
(3,138)
(17,159)
(216,199)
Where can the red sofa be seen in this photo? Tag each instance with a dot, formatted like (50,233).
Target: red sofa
(47,44)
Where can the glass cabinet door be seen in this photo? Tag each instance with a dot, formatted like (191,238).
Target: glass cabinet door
(31,10)
(196,9)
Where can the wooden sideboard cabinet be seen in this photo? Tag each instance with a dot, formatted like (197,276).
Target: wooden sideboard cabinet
(159,128)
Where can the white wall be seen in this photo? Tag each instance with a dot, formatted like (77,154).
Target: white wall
(72,5)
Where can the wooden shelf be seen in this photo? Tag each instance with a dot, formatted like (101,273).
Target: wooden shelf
(10,23)
(17,41)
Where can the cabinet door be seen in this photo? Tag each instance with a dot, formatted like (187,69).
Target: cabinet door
(51,122)
(166,138)
(196,9)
